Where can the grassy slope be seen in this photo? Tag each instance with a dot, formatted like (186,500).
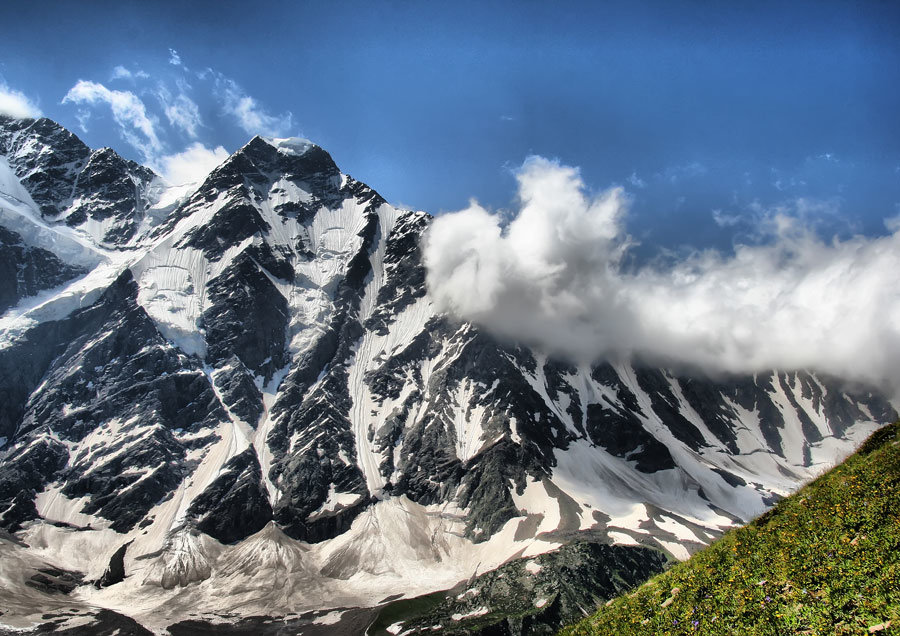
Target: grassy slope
(824,561)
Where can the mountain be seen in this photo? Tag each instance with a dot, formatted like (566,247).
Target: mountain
(237,398)
(822,561)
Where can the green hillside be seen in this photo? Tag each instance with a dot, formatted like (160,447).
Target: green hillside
(824,561)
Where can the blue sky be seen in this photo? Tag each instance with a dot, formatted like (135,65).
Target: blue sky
(711,115)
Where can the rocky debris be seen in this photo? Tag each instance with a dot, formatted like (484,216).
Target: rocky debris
(535,595)
(55,580)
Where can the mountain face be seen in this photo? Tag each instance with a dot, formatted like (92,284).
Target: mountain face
(239,399)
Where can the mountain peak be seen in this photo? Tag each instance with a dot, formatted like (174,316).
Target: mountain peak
(295,146)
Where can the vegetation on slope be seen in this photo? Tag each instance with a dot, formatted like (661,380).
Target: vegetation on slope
(824,561)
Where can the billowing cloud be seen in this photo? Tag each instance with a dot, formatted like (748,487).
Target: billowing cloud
(553,277)
(16,104)
(174,58)
(135,125)
(191,165)
(248,113)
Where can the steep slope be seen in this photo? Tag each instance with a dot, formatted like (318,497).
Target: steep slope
(823,561)
(98,193)
(26,270)
(255,368)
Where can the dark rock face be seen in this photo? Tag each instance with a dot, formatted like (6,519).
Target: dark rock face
(23,474)
(241,296)
(247,177)
(404,272)
(307,475)
(115,571)
(25,270)
(321,423)
(237,221)
(129,387)
(46,157)
(622,434)
(63,175)
(238,390)
(111,188)
(666,406)
(352,622)
(236,504)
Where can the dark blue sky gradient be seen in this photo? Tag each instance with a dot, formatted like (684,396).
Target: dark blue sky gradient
(709,105)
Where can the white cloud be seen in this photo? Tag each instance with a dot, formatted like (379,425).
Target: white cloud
(128,110)
(192,164)
(674,174)
(636,181)
(83,116)
(893,223)
(180,110)
(248,113)
(553,278)
(120,72)
(723,219)
(174,58)
(16,104)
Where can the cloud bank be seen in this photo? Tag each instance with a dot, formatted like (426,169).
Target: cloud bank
(192,164)
(16,104)
(553,278)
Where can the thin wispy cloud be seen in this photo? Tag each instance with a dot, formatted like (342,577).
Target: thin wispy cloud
(178,121)
(723,219)
(181,111)
(636,181)
(129,112)
(140,129)
(122,73)
(16,104)
(84,117)
(675,174)
(248,113)
(554,278)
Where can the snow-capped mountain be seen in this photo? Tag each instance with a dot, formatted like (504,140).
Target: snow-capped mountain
(238,398)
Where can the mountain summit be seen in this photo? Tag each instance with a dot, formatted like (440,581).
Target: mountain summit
(242,401)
